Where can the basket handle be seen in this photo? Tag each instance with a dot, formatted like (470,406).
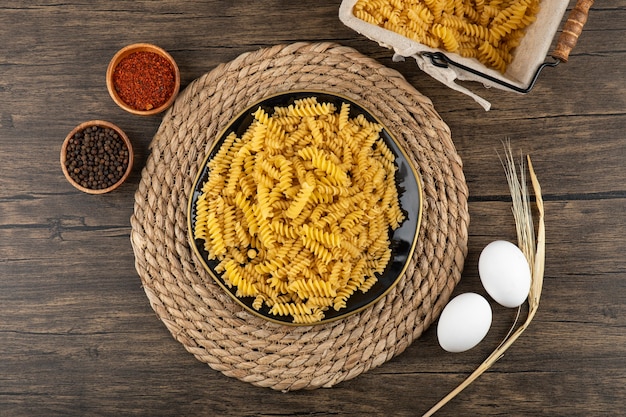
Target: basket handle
(572,30)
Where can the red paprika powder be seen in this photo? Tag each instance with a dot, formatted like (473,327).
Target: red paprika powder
(144,80)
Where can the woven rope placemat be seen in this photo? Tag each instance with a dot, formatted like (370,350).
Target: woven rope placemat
(201,316)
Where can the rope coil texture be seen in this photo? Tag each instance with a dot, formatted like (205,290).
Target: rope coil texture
(201,316)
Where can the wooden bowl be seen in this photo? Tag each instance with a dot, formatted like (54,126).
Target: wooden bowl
(65,158)
(147,108)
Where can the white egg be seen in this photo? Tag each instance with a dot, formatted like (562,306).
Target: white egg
(505,273)
(464,322)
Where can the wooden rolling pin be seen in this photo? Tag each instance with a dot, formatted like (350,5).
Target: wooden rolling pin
(572,30)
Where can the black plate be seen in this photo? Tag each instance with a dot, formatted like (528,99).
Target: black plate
(402,239)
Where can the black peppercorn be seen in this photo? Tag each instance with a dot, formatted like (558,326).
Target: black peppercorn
(96,157)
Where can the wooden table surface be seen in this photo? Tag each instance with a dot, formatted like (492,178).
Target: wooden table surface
(77,334)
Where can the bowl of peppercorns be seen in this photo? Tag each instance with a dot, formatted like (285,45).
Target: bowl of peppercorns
(96,157)
(143,79)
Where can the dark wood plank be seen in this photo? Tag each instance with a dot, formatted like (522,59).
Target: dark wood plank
(77,335)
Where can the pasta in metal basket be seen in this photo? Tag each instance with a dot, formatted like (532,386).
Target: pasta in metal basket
(297,211)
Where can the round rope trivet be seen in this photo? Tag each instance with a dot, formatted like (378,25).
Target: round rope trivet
(201,316)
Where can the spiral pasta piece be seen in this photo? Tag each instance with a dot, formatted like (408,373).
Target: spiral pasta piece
(311,109)
(313,288)
(283,309)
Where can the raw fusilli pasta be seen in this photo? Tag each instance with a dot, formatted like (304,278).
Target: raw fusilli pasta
(297,211)
(488,30)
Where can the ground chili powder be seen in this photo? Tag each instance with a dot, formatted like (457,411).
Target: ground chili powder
(144,80)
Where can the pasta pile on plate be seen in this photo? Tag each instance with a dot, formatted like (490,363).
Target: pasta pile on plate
(298,209)
(487,30)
